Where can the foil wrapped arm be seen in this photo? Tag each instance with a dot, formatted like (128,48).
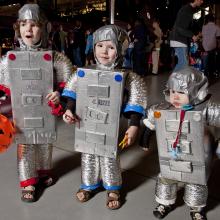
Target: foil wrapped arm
(212,114)
(63,68)
(70,88)
(4,76)
(149,121)
(137,94)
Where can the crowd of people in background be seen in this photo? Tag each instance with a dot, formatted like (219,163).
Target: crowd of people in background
(151,50)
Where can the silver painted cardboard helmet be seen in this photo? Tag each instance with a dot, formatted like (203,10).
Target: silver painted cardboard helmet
(189,81)
(33,12)
(115,34)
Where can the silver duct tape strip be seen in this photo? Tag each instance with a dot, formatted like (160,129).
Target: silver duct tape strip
(195,195)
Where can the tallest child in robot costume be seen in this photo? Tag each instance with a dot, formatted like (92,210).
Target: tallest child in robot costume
(33,74)
(97,94)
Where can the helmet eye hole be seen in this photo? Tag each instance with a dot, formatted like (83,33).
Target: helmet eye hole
(1,131)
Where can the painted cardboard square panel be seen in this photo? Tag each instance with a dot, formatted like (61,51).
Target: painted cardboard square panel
(31,79)
(99,100)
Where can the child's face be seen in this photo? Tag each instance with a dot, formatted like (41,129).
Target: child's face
(105,52)
(178,99)
(30,32)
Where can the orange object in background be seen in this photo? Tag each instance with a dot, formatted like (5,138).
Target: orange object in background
(6,133)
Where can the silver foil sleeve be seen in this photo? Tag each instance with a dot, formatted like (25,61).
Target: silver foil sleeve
(137,90)
(212,114)
(4,74)
(62,66)
(71,84)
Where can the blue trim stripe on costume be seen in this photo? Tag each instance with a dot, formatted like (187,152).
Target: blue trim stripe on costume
(69,93)
(134,108)
(112,187)
(187,107)
(91,187)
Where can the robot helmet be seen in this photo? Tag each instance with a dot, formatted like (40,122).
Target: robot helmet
(189,81)
(115,34)
(33,12)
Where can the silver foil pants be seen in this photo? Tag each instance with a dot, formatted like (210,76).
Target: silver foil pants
(33,160)
(195,196)
(96,168)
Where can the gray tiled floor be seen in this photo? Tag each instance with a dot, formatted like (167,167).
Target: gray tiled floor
(139,171)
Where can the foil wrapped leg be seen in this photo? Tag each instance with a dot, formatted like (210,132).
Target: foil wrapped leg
(26,159)
(165,191)
(111,173)
(90,171)
(195,195)
(44,159)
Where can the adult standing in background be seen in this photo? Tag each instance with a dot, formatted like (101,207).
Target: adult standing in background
(79,44)
(156,50)
(210,34)
(140,43)
(182,33)
(63,39)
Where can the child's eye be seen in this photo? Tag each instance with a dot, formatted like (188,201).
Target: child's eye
(181,92)
(112,48)
(99,45)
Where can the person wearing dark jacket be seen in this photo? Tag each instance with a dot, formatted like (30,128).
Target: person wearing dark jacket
(182,33)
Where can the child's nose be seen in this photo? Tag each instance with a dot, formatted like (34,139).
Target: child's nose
(176,96)
(104,49)
(29,27)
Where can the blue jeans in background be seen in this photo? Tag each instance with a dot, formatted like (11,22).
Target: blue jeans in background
(182,55)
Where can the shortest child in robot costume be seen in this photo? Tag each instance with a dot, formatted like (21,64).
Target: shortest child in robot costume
(184,143)
(32,91)
(98,165)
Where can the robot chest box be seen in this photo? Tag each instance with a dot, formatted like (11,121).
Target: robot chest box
(31,79)
(99,100)
(190,160)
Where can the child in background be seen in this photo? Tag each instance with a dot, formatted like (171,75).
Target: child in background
(89,48)
(34,158)
(184,143)
(102,169)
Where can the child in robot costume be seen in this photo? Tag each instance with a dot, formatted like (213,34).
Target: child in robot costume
(183,140)
(96,169)
(34,160)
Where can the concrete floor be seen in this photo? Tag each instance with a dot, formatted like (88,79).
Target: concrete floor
(139,172)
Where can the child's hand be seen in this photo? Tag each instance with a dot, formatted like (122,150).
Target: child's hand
(70,118)
(131,134)
(54,97)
